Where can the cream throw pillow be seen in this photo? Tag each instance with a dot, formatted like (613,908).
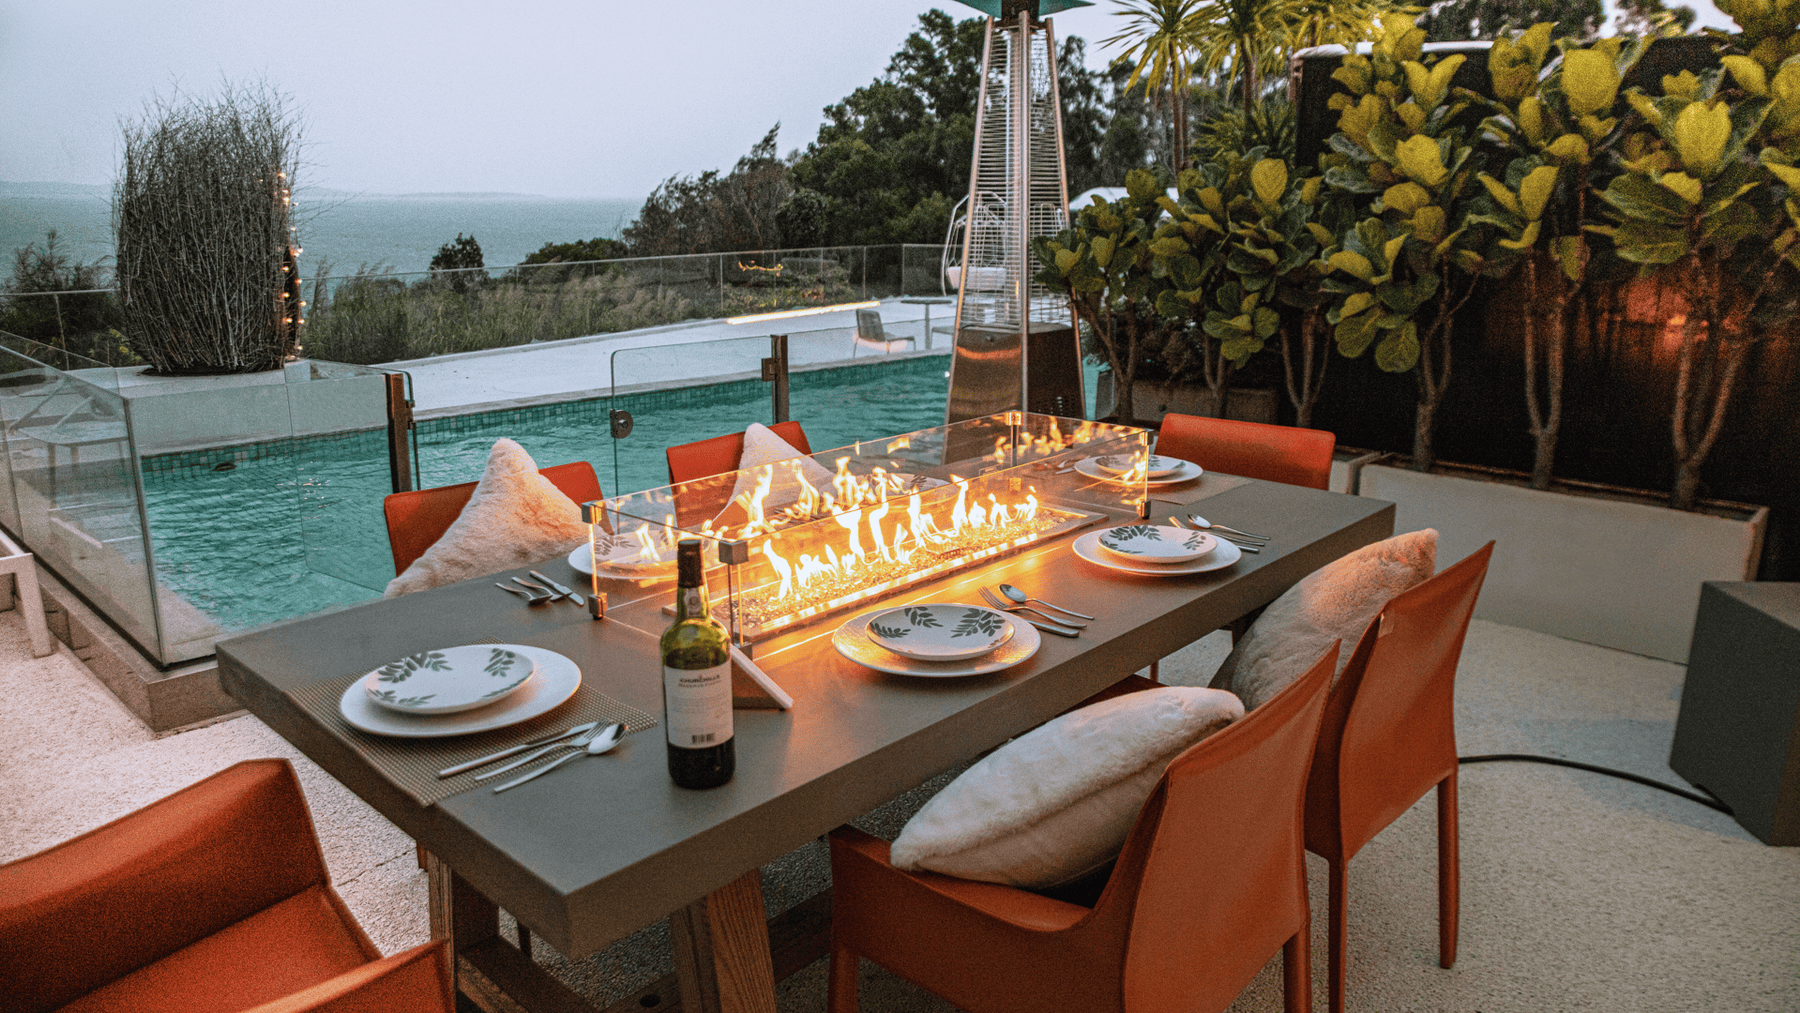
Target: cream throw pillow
(1058,802)
(514,517)
(1335,602)
(763,445)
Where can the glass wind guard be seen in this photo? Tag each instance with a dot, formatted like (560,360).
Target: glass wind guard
(808,538)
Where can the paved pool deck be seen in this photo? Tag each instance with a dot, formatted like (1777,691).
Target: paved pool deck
(673,355)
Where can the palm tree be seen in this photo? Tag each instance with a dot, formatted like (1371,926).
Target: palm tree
(1256,37)
(1157,43)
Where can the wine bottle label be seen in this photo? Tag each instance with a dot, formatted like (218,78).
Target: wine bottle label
(698,705)
(691,602)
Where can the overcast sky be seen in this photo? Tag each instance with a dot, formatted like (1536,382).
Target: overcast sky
(600,98)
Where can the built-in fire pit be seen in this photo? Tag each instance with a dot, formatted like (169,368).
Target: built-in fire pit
(874,518)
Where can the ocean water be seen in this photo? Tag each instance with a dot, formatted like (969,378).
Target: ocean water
(337,229)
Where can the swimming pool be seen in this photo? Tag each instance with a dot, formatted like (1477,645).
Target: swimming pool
(295,526)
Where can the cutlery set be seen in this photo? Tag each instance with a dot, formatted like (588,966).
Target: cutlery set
(535,594)
(1049,624)
(590,739)
(1242,539)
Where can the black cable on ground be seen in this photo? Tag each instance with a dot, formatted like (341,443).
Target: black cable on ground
(1710,803)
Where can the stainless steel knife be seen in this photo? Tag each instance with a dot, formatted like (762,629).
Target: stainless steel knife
(572,596)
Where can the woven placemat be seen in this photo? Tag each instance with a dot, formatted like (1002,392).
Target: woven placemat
(1210,484)
(412,764)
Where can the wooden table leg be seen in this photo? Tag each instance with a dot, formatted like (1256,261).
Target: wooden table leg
(721,948)
(460,915)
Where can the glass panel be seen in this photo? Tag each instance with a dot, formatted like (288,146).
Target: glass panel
(73,477)
(339,421)
(800,542)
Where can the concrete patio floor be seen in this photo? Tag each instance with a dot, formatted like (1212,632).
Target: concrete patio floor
(1579,891)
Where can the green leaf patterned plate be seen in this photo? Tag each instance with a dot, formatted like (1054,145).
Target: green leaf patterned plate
(940,631)
(1156,543)
(447,681)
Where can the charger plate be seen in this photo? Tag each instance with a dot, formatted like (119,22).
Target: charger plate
(555,678)
(1223,554)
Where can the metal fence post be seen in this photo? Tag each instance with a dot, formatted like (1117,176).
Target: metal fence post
(775,371)
(399,428)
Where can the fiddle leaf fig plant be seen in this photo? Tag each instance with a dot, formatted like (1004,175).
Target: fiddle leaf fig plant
(1406,268)
(1553,132)
(1103,264)
(1698,203)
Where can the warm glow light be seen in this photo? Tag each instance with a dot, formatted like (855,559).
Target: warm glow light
(807,311)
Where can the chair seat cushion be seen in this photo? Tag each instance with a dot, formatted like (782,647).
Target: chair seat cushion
(1058,802)
(282,949)
(515,517)
(1335,602)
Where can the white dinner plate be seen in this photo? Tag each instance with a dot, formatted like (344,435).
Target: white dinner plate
(1090,466)
(1160,467)
(555,678)
(852,641)
(1155,543)
(1223,554)
(449,680)
(623,567)
(940,631)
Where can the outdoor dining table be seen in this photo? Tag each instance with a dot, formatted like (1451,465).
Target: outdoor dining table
(605,846)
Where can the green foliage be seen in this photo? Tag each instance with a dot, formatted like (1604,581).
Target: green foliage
(457,260)
(86,323)
(1271,124)
(1411,173)
(1492,19)
(801,219)
(710,213)
(372,318)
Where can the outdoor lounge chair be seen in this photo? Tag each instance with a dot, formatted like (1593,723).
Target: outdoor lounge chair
(418,518)
(871,335)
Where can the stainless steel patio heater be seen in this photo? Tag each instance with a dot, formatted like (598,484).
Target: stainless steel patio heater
(1016,346)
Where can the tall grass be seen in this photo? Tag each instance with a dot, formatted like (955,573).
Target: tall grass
(374,319)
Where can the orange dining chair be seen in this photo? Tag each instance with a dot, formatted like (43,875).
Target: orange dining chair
(701,458)
(1250,449)
(1388,737)
(1210,884)
(418,518)
(213,899)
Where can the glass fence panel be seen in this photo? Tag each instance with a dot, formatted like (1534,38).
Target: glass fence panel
(73,481)
(338,415)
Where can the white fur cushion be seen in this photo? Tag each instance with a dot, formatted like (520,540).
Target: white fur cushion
(1335,602)
(514,517)
(1059,801)
(763,446)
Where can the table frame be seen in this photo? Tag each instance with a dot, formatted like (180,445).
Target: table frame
(854,740)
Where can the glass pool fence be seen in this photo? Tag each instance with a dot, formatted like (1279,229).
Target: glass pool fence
(187,509)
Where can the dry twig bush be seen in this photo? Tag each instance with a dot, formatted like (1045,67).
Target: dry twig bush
(204,227)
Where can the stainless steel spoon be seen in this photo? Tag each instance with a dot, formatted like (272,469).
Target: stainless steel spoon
(1244,543)
(601,743)
(1204,524)
(1021,597)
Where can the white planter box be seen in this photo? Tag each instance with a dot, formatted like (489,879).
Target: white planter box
(1605,566)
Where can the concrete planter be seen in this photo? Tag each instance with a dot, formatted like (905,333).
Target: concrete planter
(1600,564)
(1158,398)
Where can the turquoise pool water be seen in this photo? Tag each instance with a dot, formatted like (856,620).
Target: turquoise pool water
(295,526)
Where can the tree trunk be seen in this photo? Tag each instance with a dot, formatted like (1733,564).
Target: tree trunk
(1424,427)
(1545,425)
(1304,383)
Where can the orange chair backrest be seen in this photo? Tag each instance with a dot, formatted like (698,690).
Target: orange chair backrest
(721,453)
(217,852)
(1389,734)
(417,519)
(1217,854)
(1251,449)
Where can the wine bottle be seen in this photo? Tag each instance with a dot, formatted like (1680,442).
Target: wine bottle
(696,658)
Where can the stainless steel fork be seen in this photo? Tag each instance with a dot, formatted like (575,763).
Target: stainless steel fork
(1068,624)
